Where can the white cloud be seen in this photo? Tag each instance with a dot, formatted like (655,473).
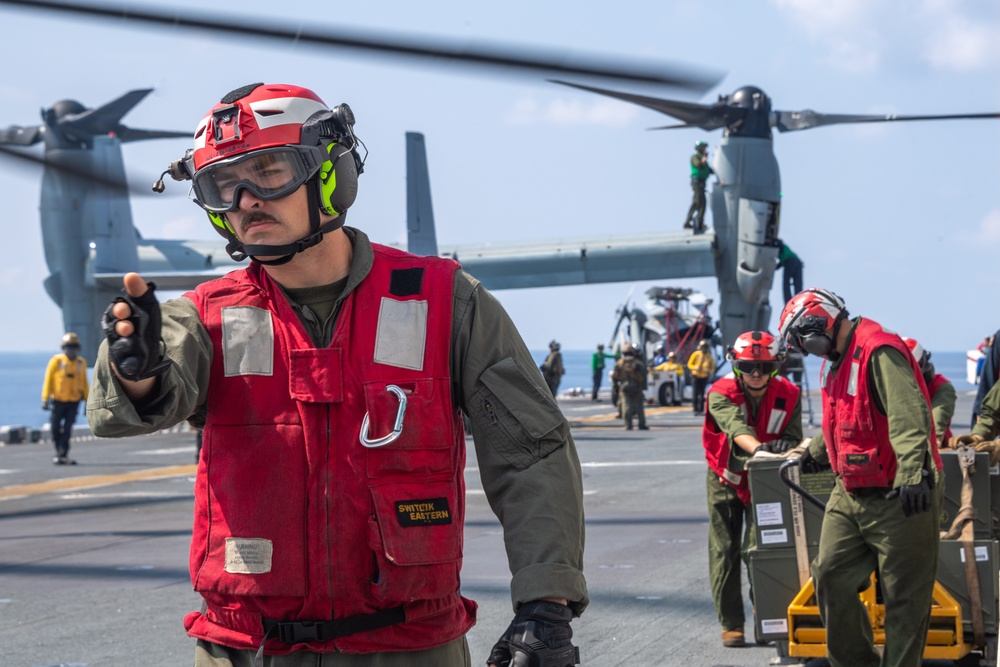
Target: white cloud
(959,45)
(988,232)
(606,112)
(859,36)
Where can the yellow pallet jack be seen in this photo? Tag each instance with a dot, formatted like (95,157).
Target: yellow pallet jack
(945,637)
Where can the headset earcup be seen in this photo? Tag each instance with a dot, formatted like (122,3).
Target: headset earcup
(338,181)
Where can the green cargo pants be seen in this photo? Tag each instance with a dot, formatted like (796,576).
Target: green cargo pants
(862,531)
(730,537)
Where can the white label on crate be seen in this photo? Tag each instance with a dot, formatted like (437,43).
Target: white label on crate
(995,470)
(774,626)
(769,514)
(982,553)
(774,536)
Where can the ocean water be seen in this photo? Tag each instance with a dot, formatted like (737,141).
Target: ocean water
(21,375)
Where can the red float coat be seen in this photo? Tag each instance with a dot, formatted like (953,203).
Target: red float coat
(855,431)
(776,408)
(294,519)
(932,389)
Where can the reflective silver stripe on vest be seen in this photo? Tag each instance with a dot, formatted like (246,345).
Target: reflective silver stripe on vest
(824,373)
(247,341)
(852,384)
(731,477)
(775,421)
(401,334)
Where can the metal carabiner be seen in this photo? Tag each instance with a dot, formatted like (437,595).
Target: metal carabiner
(396,430)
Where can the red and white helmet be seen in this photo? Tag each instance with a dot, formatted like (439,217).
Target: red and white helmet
(254,117)
(269,140)
(755,346)
(920,355)
(755,351)
(811,311)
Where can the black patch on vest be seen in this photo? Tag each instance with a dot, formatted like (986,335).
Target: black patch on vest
(857,352)
(406,282)
(428,512)
(857,459)
(779,403)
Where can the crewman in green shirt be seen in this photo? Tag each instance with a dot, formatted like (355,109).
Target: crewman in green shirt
(597,368)
(700,171)
(883,512)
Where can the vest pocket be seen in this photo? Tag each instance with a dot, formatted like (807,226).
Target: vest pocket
(416,536)
(426,445)
(254,522)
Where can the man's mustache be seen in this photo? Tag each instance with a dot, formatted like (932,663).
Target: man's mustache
(253,217)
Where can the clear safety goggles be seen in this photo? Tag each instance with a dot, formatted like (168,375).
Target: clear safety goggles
(269,173)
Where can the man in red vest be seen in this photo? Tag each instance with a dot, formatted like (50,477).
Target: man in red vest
(884,509)
(940,389)
(330,377)
(754,410)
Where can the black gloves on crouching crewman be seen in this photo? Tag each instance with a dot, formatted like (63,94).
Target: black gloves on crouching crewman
(539,636)
(809,465)
(139,355)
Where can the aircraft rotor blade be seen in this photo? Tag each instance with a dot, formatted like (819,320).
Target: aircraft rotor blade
(506,57)
(792,121)
(106,119)
(79,172)
(15,135)
(705,116)
(109,115)
(127,134)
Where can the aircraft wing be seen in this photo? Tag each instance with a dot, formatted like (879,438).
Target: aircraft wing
(181,265)
(584,260)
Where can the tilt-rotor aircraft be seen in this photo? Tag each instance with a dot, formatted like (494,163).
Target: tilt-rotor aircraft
(90,250)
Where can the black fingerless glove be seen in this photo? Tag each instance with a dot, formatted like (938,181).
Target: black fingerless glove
(539,636)
(140,355)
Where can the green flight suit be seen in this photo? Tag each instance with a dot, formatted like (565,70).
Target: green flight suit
(731,527)
(863,530)
(988,425)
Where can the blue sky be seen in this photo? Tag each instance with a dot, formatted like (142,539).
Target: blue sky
(902,220)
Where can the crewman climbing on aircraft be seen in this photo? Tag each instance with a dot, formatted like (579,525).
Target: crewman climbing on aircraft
(749,411)
(700,171)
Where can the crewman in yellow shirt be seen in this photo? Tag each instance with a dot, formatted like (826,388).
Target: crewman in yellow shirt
(702,366)
(64,387)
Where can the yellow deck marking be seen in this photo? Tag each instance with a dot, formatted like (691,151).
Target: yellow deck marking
(92,481)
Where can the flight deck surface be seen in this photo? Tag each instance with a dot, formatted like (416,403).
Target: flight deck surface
(93,565)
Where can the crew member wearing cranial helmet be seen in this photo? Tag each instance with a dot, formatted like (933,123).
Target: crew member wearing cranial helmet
(879,437)
(940,389)
(330,377)
(701,364)
(65,385)
(750,410)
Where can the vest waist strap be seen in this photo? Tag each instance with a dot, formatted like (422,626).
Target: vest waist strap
(296,632)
